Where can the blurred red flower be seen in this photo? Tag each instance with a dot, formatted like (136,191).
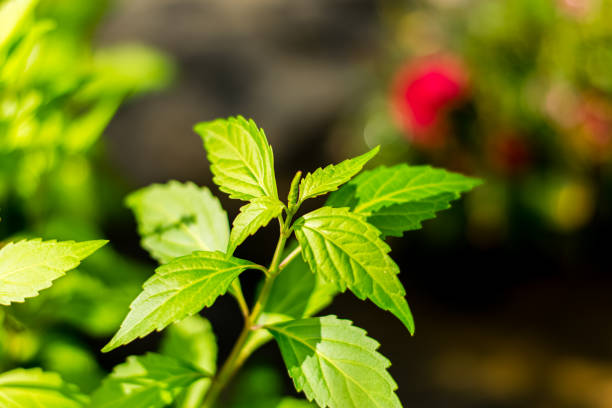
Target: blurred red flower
(422,92)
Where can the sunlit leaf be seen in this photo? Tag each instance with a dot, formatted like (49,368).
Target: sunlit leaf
(241,158)
(331,177)
(26,267)
(335,363)
(178,289)
(347,251)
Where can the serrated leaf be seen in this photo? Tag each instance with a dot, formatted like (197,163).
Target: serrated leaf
(386,186)
(253,216)
(149,381)
(347,251)
(33,387)
(192,340)
(398,218)
(178,289)
(335,363)
(331,177)
(26,267)
(241,158)
(175,219)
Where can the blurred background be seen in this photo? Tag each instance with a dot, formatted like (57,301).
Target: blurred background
(510,289)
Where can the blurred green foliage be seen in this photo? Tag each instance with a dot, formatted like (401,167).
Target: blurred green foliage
(57,95)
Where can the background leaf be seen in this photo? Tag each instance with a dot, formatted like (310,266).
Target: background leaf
(148,381)
(192,340)
(33,387)
(335,363)
(178,289)
(175,219)
(241,158)
(254,215)
(329,178)
(26,267)
(346,250)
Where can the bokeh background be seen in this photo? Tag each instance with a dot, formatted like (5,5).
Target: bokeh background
(510,289)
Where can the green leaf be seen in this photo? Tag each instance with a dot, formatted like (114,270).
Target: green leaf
(33,387)
(175,219)
(386,186)
(26,267)
(241,158)
(401,206)
(253,216)
(331,177)
(347,251)
(192,340)
(398,218)
(148,381)
(178,289)
(335,363)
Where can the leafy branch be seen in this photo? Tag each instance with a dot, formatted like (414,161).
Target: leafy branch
(184,227)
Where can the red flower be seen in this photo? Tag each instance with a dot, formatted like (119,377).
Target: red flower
(422,92)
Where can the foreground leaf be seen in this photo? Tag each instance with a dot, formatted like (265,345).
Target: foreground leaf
(33,387)
(241,158)
(26,267)
(331,177)
(335,363)
(175,219)
(178,289)
(148,381)
(347,251)
(253,216)
(386,186)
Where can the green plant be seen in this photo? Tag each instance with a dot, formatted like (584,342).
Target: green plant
(26,267)
(339,246)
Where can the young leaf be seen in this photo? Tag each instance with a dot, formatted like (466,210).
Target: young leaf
(33,387)
(148,381)
(241,158)
(178,289)
(192,340)
(175,219)
(254,215)
(399,184)
(26,267)
(331,177)
(346,250)
(335,363)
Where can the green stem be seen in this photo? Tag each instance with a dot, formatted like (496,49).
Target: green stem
(237,355)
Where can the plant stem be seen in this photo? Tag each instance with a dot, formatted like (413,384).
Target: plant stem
(237,356)
(228,370)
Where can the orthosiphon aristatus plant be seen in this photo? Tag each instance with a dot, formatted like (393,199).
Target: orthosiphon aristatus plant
(337,247)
